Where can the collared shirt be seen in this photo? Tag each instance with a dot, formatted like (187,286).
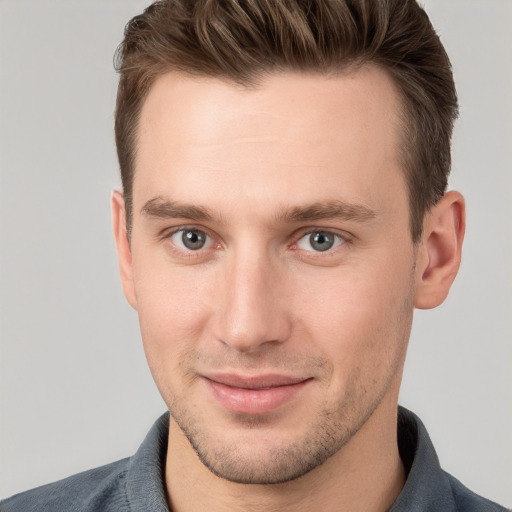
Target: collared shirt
(136,484)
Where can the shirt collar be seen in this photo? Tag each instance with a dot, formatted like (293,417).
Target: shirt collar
(427,488)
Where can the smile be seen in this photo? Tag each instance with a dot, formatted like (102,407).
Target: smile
(254,395)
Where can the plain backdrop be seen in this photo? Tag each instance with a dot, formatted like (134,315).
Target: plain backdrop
(75,390)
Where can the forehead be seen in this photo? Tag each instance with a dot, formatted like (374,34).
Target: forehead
(306,130)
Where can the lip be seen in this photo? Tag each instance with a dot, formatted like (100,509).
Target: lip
(254,394)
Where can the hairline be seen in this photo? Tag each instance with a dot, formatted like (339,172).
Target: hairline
(256,79)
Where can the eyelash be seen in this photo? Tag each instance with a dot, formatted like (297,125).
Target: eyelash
(341,239)
(189,253)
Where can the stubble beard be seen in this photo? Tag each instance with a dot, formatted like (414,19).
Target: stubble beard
(331,431)
(326,435)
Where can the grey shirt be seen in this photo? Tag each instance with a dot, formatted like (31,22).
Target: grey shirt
(136,484)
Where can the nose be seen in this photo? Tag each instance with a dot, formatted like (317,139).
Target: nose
(252,306)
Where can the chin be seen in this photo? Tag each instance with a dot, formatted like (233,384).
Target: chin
(257,451)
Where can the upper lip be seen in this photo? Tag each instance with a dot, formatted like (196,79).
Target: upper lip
(254,381)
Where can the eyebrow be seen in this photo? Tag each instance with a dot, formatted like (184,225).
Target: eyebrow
(329,210)
(165,209)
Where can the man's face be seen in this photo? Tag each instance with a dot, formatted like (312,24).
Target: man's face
(273,269)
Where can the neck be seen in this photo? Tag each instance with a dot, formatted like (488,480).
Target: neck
(365,475)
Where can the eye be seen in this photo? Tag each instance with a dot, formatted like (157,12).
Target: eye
(191,239)
(319,241)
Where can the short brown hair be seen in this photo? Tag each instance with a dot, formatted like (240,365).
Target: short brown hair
(244,40)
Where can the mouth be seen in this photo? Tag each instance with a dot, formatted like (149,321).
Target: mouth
(255,394)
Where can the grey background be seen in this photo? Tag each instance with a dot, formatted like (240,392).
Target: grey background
(75,390)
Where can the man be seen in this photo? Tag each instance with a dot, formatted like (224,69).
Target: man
(283,211)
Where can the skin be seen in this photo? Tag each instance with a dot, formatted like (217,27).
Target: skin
(256,172)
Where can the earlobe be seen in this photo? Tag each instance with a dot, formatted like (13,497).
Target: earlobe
(124,254)
(439,252)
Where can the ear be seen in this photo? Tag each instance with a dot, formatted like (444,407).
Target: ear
(439,252)
(124,254)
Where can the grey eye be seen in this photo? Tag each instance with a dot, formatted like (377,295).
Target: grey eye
(191,239)
(319,241)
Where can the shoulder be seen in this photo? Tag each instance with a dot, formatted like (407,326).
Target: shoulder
(468,501)
(134,483)
(100,490)
(428,487)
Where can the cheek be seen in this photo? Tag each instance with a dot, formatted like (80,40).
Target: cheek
(360,319)
(173,307)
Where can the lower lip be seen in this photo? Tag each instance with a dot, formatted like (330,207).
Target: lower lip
(254,401)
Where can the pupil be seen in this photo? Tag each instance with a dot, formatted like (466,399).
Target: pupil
(321,241)
(193,240)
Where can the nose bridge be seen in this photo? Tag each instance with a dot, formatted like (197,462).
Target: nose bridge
(252,312)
